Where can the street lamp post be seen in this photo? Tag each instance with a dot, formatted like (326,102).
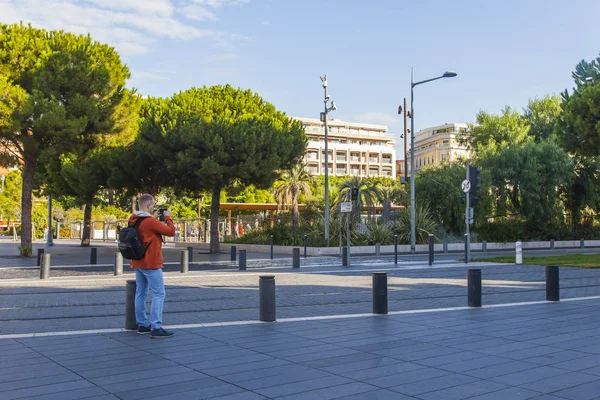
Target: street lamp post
(2,178)
(413,230)
(49,241)
(324,115)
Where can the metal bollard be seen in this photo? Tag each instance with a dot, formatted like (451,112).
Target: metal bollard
(118,264)
(266,294)
(445,246)
(190,254)
(296,257)
(582,243)
(519,253)
(305,244)
(271,242)
(395,249)
(45,267)
(39,256)
(483,246)
(474,287)
(380,295)
(242,264)
(552,244)
(94,255)
(233,253)
(552,283)
(430,242)
(130,321)
(184,262)
(344,257)
(377,249)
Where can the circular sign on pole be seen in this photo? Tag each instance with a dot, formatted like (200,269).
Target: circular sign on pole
(466,185)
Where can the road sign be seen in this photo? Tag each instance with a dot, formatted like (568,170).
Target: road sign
(346,207)
(466,186)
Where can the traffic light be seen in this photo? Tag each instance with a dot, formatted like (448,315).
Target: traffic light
(473,200)
(474,178)
(354,194)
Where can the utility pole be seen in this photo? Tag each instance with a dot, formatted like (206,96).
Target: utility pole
(405,147)
(467,223)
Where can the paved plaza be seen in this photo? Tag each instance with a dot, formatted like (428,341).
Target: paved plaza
(63,338)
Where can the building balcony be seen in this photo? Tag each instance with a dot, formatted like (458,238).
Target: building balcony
(373,159)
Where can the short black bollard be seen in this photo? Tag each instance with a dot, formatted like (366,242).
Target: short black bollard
(483,246)
(582,243)
(242,260)
(380,295)
(430,242)
(395,249)
(39,257)
(233,251)
(305,244)
(445,246)
(130,321)
(190,254)
(552,283)
(344,256)
(94,255)
(552,244)
(474,287)
(184,262)
(266,294)
(118,264)
(271,242)
(296,257)
(45,267)
(377,249)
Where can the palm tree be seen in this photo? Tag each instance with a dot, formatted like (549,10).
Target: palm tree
(294,181)
(389,195)
(367,194)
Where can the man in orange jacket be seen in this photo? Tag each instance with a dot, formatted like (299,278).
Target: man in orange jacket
(148,270)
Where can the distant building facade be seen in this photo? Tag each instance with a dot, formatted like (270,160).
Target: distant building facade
(436,145)
(355,149)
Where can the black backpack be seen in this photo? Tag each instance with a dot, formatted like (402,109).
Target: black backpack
(130,245)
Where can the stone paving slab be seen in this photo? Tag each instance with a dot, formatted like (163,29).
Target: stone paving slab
(84,303)
(432,355)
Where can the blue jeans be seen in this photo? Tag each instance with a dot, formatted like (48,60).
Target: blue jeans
(154,278)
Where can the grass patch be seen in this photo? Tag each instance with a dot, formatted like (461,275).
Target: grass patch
(566,260)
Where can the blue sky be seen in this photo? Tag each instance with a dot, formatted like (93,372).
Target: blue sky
(505,52)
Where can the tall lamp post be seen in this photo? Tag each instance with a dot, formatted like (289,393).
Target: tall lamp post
(49,241)
(2,178)
(413,230)
(324,116)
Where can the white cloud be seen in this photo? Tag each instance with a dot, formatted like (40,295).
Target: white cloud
(221,3)
(146,7)
(222,57)
(265,22)
(131,26)
(198,13)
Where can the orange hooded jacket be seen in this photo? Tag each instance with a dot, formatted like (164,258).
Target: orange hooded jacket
(149,232)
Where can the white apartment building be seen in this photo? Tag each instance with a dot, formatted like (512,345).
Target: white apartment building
(436,145)
(354,148)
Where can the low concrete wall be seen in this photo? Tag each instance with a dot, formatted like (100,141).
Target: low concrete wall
(389,249)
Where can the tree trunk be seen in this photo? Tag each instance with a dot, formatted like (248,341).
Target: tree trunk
(295,196)
(215,203)
(387,210)
(87,225)
(133,200)
(111,197)
(26,207)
